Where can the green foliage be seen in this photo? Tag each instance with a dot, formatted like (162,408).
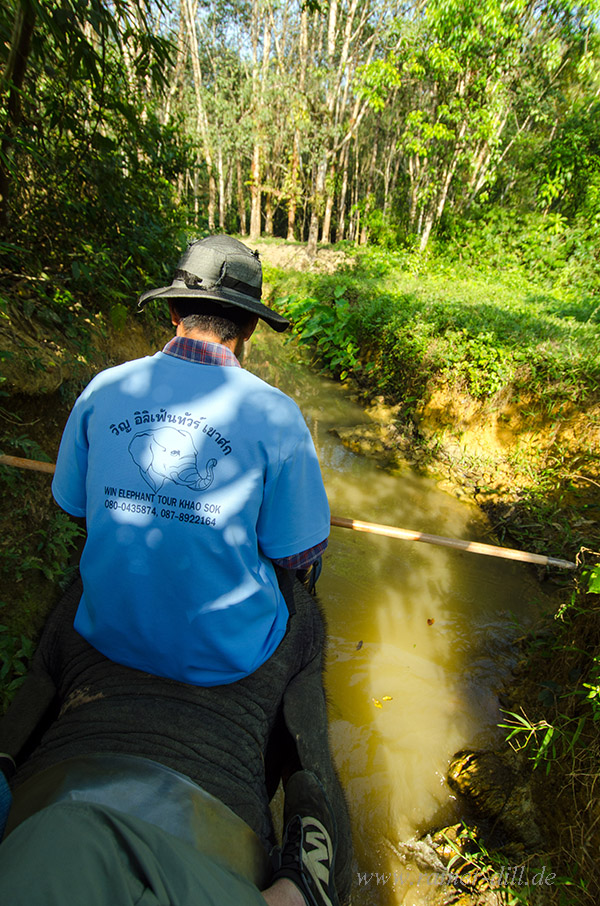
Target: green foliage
(473,864)
(330,327)
(118,315)
(16,652)
(92,167)
(413,320)
(593,579)
(45,547)
(485,366)
(548,742)
(479,868)
(558,255)
(37,541)
(375,80)
(382,230)
(573,707)
(569,178)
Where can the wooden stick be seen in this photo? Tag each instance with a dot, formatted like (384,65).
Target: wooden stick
(33,464)
(471,547)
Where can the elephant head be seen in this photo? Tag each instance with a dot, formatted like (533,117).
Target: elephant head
(168,454)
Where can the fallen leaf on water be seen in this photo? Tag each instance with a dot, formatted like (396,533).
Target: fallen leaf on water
(377,703)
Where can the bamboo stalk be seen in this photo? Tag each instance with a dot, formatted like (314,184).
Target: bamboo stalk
(33,464)
(471,547)
(356,525)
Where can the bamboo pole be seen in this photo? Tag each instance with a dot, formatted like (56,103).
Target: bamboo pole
(471,547)
(356,525)
(33,464)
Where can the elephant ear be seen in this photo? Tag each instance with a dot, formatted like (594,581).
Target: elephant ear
(140,448)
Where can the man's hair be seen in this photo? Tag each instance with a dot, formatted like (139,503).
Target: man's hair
(227,322)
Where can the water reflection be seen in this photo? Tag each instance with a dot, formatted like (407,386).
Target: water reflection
(420,636)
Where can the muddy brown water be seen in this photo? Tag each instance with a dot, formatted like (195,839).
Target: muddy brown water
(420,637)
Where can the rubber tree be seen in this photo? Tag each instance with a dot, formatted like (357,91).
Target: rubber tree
(350,41)
(471,76)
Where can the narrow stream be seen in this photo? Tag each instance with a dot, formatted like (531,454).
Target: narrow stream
(419,636)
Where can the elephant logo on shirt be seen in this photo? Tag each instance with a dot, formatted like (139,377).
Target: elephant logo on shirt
(168,454)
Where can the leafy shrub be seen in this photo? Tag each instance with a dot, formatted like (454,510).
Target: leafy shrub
(16,652)
(330,327)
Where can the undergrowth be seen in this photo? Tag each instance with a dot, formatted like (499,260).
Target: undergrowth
(403,327)
(395,322)
(552,714)
(37,541)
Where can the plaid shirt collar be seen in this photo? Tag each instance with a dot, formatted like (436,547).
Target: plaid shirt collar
(201,352)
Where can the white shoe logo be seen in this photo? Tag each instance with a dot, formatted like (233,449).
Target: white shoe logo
(319,859)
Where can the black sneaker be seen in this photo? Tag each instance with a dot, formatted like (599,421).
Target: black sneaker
(306,858)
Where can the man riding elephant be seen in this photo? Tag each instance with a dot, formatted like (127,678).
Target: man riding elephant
(181,672)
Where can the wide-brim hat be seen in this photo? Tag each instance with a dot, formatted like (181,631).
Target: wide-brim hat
(220,269)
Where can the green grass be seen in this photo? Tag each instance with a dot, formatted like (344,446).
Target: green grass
(420,320)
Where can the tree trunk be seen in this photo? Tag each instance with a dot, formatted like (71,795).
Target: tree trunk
(343,193)
(428,222)
(293,199)
(14,75)
(221,188)
(188,11)
(317,204)
(355,214)
(295,161)
(255,194)
(240,198)
(326,230)
(175,81)
(415,168)
(329,199)
(212,201)
(436,209)
(356,228)
(196,195)
(268,214)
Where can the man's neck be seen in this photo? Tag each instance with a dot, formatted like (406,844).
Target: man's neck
(236,346)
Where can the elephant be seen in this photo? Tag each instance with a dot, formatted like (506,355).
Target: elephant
(199,762)
(169,454)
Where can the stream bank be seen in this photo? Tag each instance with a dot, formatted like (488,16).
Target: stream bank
(530,823)
(508,419)
(530,460)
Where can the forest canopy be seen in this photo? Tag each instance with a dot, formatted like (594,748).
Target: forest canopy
(123,122)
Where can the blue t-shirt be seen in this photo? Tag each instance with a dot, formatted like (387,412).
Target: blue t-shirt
(191,477)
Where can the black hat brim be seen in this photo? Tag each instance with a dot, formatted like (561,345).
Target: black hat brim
(226,296)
